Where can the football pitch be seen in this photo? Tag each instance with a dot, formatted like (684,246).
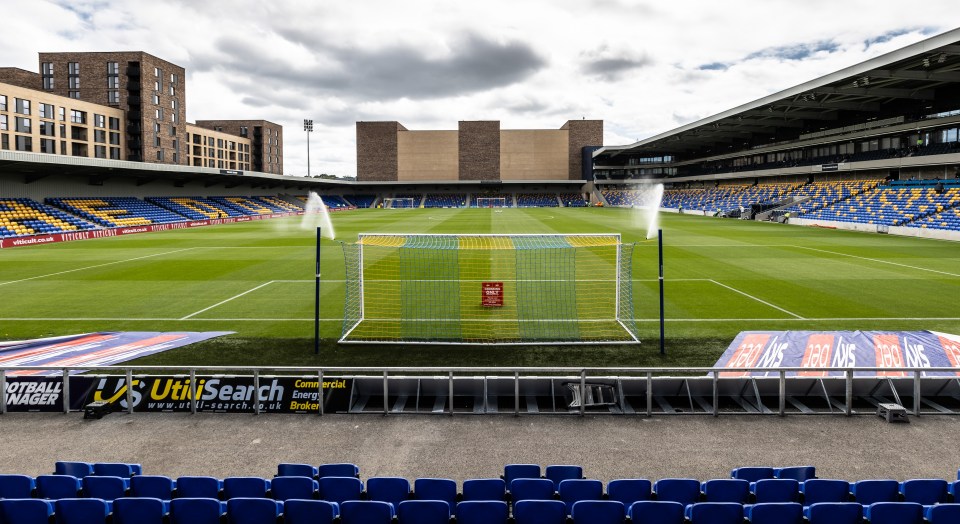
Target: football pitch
(721,277)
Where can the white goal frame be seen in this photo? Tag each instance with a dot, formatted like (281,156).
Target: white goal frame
(482,201)
(388,203)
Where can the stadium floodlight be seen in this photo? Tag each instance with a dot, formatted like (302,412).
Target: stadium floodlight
(488,289)
(308,127)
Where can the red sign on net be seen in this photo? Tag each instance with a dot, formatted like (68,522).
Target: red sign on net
(491,294)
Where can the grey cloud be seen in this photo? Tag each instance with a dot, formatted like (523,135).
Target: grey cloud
(611,65)
(796,51)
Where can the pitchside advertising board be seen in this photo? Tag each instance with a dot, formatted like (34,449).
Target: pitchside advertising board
(842,349)
(173,393)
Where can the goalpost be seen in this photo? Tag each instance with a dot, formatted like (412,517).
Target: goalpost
(491,202)
(399,203)
(488,289)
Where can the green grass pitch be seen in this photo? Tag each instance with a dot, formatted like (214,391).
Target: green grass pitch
(256,278)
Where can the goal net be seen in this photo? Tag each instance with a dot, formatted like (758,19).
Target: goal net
(488,289)
(398,203)
(491,202)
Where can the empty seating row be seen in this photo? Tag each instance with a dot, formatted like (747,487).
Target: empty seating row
(572,200)
(537,200)
(360,200)
(116,211)
(22,216)
(445,200)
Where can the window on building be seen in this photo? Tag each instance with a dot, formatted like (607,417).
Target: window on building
(115,153)
(3,102)
(113,82)
(48,146)
(114,123)
(100,151)
(78,117)
(73,82)
(156,72)
(160,155)
(47,129)
(99,120)
(100,136)
(62,113)
(5,142)
(46,111)
(243,131)
(24,143)
(22,106)
(113,97)
(156,141)
(173,104)
(4,125)
(173,131)
(173,91)
(63,147)
(156,86)
(63,131)
(46,71)
(23,125)
(74,95)
(79,150)
(156,99)
(156,127)
(73,68)
(78,133)
(115,139)
(174,117)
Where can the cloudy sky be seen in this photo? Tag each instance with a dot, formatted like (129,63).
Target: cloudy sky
(644,67)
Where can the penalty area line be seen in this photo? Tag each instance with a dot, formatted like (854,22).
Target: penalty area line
(764,302)
(222,302)
(96,266)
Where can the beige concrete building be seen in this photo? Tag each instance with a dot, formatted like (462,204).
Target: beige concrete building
(209,148)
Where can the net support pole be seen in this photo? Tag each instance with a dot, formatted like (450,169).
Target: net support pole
(316,301)
(660,252)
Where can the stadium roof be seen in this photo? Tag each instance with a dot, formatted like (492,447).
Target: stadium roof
(922,78)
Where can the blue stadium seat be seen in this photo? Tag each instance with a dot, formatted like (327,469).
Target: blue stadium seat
(246,487)
(834,513)
(388,489)
(138,510)
(775,490)
(298,511)
(80,511)
(195,510)
(520,471)
(16,486)
(103,487)
(715,513)
(684,491)
(752,474)
(249,510)
(954,490)
(798,473)
(286,488)
(598,512)
(922,491)
(726,490)
(482,512)
(894,513)
(774,513)
(57,487)
(25,511)
(156,486)
(942,514)
(484,489)
(338,470)
(423,512)
(76,469)
(825,490)
(656,512)
(867,492)
(436,489)
(198,487)
(115,469)
(531,489)
(628,491)
(540,512)
(366,512)
(296,470)
(560,473)
(574,490)
(340,489)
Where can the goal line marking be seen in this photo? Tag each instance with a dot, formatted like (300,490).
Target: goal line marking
(764,302)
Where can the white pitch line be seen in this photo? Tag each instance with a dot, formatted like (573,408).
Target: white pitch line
(918,268)
(95,266)
(692,320)
(774,306)
(485,280)
(222,302)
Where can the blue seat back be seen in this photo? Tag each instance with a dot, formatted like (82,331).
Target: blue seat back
(798,473)
(628,491)
(540,512)
(894,513)
(342,469)
(776,490)
(531,489)
(298,511)
(559,473)
(484,489)
(727,490)
(286,488)
(923,491)
(388,489)
(106,488)
(16,486)
(25,511)
(340,489)
(834,513)
(156,486)
(598,512)
(751,474)
(366,512)
(423,512)
(716,513)
(76,469)
(943,514)
(198,487)
(296,470)
(436,489)
(57,487)
(482,512)
(656,512)
(867,492)
(520,471)
(574,490)
(80,511)
(816,491)
(248,510)
(246,487)
(138,510)
(684,491)
(195,511)
(113,469)
(775,513)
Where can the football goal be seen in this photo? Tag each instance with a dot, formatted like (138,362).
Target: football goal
(491,202)
(399,203)
(488,289)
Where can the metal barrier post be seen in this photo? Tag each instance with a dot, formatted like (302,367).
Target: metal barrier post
(256,392)
(129,391)
(193,391)
(3,391)
(516,393)
(583,391)
(450,385)
(716,394)
(320,392)
(849,392)
(649,394)
(386,408)
(66,391)
(916,393)
(783,393)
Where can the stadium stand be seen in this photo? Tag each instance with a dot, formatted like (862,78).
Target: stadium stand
(335,202)
(278,203)
(895,206)
(116,211)
(818,195)
(537,200)
(247,206)
(22,216)
(195,208)
(572,200)
(360,200)
(445,200)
